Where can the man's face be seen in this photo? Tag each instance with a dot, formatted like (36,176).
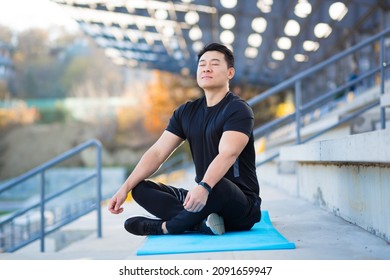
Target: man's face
(213,71)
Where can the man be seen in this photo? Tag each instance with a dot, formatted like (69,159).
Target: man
(219,129)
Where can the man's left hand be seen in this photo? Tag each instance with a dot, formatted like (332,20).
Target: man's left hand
(196,199)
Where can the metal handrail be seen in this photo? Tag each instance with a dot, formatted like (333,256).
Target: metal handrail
(296,83)
(40,170)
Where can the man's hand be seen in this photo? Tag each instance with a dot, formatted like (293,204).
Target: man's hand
(116,202)
(196,199)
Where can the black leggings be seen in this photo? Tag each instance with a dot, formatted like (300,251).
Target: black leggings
(166,202)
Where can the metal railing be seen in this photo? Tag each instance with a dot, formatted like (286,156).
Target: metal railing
(296,82)
(179,162)
(14,236)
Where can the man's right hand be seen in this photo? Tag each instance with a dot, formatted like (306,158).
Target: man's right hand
(115,204)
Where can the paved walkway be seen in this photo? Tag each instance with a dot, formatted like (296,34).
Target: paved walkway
(318,235)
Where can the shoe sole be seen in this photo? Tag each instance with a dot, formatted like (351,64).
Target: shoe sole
(215,223)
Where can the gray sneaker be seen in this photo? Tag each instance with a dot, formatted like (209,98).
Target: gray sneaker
(213,225)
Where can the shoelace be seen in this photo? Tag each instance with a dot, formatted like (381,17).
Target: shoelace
(152,227)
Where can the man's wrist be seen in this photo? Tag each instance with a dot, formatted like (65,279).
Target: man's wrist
(206,186)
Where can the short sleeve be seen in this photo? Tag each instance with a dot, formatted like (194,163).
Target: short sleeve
(239,117)
(175,123)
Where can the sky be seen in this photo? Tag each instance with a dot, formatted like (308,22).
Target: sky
(20,15)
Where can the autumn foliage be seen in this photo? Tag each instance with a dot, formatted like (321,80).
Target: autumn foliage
(164,95)
(17,114)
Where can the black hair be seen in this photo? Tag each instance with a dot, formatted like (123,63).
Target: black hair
(229,57)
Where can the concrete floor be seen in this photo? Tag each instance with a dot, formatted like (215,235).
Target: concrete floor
(317,234)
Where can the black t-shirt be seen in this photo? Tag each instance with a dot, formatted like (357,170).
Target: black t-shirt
(203,126)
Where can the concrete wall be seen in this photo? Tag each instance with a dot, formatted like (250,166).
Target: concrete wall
(349,176)
(270,174)
(359,194)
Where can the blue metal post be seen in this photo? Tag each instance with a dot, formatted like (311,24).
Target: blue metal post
(298,98)
(382,65)
(42,233)
(99,187)
(12,233)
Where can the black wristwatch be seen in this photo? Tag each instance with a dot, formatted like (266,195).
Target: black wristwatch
(206,186)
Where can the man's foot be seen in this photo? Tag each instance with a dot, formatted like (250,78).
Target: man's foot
(144,226)
(213,225)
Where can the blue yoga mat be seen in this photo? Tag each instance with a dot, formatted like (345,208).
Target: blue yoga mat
(263,236)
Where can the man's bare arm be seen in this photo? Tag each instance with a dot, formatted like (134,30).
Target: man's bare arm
(150,162)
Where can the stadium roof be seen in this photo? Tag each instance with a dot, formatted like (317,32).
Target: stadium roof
(271,39)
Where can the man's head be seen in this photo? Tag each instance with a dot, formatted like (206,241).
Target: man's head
(215,67)
(229,57)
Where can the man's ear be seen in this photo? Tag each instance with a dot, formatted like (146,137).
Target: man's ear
(231,73)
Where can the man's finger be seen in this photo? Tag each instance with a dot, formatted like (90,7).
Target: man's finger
(186,200)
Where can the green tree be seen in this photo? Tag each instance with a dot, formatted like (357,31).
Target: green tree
(92,74)
(5,35)
(37,69)
(5,42)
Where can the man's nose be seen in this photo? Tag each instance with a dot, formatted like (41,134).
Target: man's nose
(207,68)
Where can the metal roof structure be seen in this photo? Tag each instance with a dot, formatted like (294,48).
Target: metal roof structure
(271,39)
